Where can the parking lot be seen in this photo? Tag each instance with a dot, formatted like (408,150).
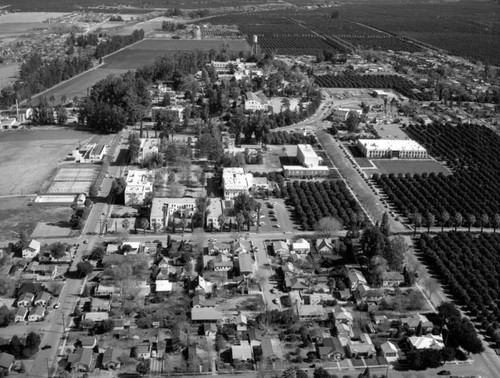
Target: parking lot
(275,217)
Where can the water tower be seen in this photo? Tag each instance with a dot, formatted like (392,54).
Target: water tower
(255,45)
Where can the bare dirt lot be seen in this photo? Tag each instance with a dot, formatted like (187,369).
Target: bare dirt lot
(29,156)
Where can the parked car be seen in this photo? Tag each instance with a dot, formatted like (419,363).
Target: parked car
(444,372)
(46,346)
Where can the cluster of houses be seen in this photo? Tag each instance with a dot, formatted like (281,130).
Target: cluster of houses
(32,307)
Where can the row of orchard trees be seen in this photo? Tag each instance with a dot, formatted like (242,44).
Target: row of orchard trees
(444,219)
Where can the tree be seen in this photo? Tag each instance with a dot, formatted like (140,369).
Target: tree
(57,250)
(93,192)
(97,253)
(240,219)
(5,316)
(385,227)
(444,217)
(144,224)
(395,253)
(417,222)
(259,207)
(222,221)
(495,222)
(430,285)
(31,345)
(327,227)
(321,372)
(16,347)
(143,367)
(61,115)
(458,219)
(352,121)
(126,224)
(484,220)
(84,268)
(202,203)
(431,219)
(471,219)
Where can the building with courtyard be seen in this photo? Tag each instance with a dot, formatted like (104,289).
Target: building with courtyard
(139,184)
(235,182)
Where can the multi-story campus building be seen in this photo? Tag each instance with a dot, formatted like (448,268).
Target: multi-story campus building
(388,148)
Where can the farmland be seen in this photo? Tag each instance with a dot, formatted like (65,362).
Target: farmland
(468,266)
(472,154)
(469,29)
(409,166)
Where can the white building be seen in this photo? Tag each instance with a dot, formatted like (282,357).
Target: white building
(148,146)
(139,184)
(214,210)
(254,102)
(387,148)
(31,250)
(235,181)
(174,111)
(309,161)
(90,153)
(163,208)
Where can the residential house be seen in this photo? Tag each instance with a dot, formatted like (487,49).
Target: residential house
(358,349)
(88,341)
(222,263)
(41,271)
(104,290)
(294,283)
(389,351)
(36,314)
(163,286)
(202,286)
(316,312)
(96,317)
(20,314)
(150,248)
(392,279)
(112,248)
(412,323)
(344,330)
(240,246)
(31,250)
(356,278)
(272,349)
(241,323)
(324,247)
(25,300)
(343,317)
(111,359)
(100,304)
(143,350)
(429,341)
(210,329)
(281,248)
(6,362)
(131,248)
(42,299)
(242,352)
(82,360)
(206,315)
(301,246)
(331,348)
(365,293)
(201,301)
(246,264)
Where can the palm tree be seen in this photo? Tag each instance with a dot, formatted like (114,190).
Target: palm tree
(222,221)
(126,224)
(495,222)
(445,217)
(458,219)
(259,206)
(63,99)
(471,219)
(485,219)
(431,219)
(184,222)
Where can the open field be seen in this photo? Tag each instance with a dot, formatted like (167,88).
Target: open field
(147,50)
(16,215)
(77,86)
(26,17)
(407,166)
(29,156)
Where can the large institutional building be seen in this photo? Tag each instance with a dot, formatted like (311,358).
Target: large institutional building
(388,148)
(309,161)
(235,181)
(163,208)
(139,183)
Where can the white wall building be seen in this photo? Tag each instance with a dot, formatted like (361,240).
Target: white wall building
(175,111)
(254,102)
(90,153)
(148,146)
(306,155)
(309,161)
(163,208)
(235,181)
(387,148)
(139,183)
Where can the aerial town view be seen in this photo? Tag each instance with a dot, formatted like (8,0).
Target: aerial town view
(250,188)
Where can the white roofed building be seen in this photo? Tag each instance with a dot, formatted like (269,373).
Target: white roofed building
(148,147)
(388,148)
(235,181)
(139,183)
(306,155)
(163,208)
(310,163)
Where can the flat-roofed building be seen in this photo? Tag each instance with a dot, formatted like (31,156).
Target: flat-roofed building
(310,163)
(163,208)
(139,184)
(388,148)
(175,112)
(235,181)
(214,211)
(306,155)
(148,147)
